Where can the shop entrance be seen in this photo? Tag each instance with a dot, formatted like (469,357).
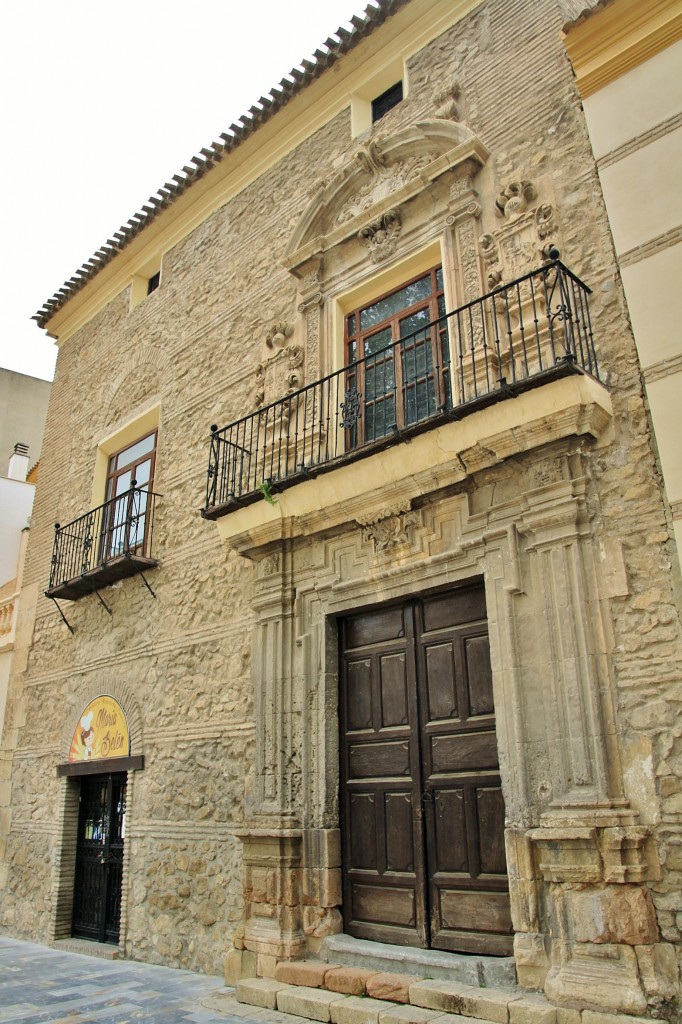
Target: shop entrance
(99,857)
(421,801)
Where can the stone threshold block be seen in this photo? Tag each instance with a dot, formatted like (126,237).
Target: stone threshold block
(393,987)
(313,1003)
(486,1003)
(359,1010)
(261,992)
(349,980)
(310,973)
(414,1015)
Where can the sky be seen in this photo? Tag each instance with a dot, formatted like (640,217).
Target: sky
(103,101)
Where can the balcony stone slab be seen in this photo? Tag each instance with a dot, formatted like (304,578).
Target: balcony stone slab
(573,406)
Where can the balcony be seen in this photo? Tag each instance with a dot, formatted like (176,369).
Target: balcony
(519,336)
(107,544)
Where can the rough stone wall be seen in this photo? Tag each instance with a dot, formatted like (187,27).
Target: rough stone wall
(194,345)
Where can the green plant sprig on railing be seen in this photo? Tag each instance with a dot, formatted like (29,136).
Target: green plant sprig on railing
(266,490)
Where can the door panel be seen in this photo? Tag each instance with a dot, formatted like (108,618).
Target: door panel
(384,876)
(420,778)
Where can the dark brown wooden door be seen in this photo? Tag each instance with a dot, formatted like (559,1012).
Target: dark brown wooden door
(422,807)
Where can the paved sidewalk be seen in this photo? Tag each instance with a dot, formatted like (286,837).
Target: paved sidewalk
(39,985)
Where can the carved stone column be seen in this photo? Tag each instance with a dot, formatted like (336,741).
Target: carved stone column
(472,360)
(271,839)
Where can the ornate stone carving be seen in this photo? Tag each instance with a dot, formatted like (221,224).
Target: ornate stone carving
(544,221)
(280,374)
(270,565)
(462,187)
(389,528)
(514,198)
(381,235)
(445,101)
(385,178)
(527,236)
(278,334)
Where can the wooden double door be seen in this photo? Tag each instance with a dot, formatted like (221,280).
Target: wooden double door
(422,812)
(99,857)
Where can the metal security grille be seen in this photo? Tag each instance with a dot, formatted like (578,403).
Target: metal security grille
(99,858)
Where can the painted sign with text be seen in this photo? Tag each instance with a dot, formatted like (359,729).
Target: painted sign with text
(102,732)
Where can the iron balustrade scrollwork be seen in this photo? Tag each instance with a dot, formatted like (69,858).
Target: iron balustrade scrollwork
(516,336)
(122,527)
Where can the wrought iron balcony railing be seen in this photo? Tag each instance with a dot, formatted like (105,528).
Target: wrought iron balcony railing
(516,337)
(106,544)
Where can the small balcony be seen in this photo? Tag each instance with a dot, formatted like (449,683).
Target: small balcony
(106,544)
(517,337)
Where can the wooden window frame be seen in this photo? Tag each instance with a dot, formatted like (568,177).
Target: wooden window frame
(435,303)
(110,487)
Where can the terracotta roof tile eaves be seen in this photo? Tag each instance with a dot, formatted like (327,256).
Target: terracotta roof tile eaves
(291,85)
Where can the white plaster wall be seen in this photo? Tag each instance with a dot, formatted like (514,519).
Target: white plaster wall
(648,95)
(642,192)
(655,304)
(16,502)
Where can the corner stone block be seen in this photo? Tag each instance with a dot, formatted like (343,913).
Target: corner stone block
(261,992)
(658,970)
(615,914)
(532,962)
(233,967)
(349,980)
(266,965)
(530,1009)
(249,964)
(357,1010)
(313,1003)
(490,1004)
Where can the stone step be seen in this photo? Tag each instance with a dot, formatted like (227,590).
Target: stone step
(430,1002)
(485,971)
(102,950)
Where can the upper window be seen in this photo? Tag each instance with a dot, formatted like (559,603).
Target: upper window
(153,282)
(388,99)
(130,477)
(397,355)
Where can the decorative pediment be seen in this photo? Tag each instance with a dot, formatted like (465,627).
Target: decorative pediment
(383,174)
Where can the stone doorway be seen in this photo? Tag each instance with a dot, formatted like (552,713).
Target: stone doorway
(422,812)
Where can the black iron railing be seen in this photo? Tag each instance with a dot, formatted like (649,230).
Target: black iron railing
(120,530)
(515,337)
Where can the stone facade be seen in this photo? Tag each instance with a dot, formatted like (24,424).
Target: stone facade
(229,669)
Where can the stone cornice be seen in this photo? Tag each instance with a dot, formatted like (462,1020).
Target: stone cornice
(615,38)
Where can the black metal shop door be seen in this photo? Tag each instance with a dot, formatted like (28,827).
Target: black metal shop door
(99,858)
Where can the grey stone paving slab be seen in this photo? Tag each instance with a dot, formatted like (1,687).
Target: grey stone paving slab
(39,985)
